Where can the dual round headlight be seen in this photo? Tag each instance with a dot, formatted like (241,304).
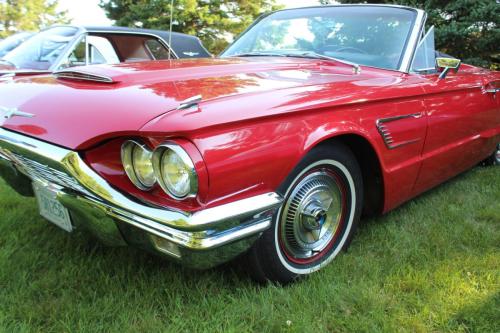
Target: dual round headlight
(137,161)
(168,165)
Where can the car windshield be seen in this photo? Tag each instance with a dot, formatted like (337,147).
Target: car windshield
(11,42)
(42,50)
(367,35)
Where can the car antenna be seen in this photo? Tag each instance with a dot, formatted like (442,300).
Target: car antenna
(170,33)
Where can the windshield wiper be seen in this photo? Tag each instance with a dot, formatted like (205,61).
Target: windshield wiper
(311,54)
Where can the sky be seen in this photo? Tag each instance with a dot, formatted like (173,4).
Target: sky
(88,12)
(85,12)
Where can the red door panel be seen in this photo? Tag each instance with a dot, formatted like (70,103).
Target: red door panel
(461,121)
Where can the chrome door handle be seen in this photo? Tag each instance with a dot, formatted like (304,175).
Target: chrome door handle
(492,91)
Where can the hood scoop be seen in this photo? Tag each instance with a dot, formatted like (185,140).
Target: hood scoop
(79,75)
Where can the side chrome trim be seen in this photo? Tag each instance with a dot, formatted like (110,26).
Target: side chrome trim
(91,187)
(386,134)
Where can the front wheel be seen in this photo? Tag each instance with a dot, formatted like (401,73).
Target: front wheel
(322,206)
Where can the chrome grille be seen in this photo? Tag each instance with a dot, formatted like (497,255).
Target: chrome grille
(38,171)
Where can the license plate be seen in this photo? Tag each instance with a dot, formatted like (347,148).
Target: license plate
(51,208)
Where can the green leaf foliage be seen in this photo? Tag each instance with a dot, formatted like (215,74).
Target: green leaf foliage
(466,29)
(28,15)
(213,21)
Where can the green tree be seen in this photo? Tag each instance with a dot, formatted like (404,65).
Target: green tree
(28,15)
(466,29)
(212,21)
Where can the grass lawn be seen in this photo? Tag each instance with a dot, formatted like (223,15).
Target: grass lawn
(432,265)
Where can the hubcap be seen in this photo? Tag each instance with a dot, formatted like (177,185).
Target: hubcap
(497,155)
(311,215)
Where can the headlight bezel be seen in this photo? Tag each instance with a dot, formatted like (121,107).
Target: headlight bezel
(127,157)
(186,160)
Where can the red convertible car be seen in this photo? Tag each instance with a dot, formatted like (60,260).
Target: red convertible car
(272,151)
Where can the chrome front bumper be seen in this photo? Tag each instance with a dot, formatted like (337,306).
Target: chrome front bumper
(201,239)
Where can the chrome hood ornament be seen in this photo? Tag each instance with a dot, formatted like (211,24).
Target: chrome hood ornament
(7,113)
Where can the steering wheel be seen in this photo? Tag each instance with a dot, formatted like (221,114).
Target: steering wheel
(351,48)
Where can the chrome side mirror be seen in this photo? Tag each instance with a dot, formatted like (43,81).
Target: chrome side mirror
(446,64)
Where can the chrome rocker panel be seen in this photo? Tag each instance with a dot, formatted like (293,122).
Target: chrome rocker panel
(225,231)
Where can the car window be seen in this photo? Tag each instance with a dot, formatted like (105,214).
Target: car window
(425,55)
(101,51)
(77,56)
(43,49)
(373,36)
(11,42)
(156,49)
(95,56)
(130,48)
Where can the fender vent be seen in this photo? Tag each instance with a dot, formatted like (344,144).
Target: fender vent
(79,75)
(386,134)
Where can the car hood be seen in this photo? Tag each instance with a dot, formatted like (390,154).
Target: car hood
(77,113)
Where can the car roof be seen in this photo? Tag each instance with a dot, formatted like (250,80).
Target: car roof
(162,33)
